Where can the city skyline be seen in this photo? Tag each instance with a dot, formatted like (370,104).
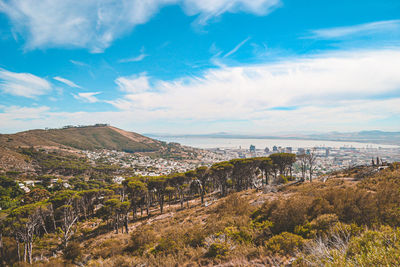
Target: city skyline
(187,67)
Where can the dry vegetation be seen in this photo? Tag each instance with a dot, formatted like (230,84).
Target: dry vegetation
(336,223)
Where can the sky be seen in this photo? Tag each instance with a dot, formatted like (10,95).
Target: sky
(201,66)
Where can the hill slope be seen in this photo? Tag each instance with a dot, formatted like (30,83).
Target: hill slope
(83,138)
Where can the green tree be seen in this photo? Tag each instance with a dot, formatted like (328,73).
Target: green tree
(221,172)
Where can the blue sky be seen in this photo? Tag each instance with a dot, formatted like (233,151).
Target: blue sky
(191,66)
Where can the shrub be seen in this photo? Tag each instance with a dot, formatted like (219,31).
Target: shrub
(72,251)
(240,235)
(285,243)
(305,231)
(262,231)
(142,239)
(323,223)
(218,245)
(217,250)
(166,245)
(370,248)
(109,248)
(285,214)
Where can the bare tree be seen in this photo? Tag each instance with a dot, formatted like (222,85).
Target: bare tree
(303,160)
(311,160)
(25,223)
(69,218)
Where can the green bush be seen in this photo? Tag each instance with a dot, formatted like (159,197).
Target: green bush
(285,243)
(240,235)
(217,250)
(323,223)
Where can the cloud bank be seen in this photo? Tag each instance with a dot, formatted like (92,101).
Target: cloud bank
(342,91)
(252,92)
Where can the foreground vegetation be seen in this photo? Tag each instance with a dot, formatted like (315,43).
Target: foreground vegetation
(180,220)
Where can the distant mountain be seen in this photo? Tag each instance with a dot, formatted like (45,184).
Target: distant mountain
(83,138)
(378,137)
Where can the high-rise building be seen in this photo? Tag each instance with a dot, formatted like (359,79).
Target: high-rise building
(301,151)
(252,148)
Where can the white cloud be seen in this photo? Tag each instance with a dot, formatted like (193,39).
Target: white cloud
(237,47)
(89,97)
(361,29)
(23,113)
(348,116)
(23,84)
(247,92)
(134,83)
(94,24)
(66,81)
(207,9)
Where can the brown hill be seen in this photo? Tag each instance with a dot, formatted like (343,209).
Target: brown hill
(74,139)
(82,138)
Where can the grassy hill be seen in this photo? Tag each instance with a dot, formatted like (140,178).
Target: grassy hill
(83,138)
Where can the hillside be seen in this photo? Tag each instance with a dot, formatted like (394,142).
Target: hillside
(72,140)
(339,222)
(83,138)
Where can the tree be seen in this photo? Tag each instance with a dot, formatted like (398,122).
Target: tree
(25,222)
(9,192)
(265,165)
(284,162)
(66,212)
(243,172)
(115,211)
(137,191)
(303,160)
(221,171)
(36,195)
(3,217)
(179,181)
(202,176)
(311,160)
(158,185)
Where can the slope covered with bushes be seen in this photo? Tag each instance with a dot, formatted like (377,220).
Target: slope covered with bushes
(333,223)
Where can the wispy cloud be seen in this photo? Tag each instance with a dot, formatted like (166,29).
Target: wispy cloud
(79,63)
(237,47)
(23,84)
(66,81)
(89,97)
(133,59)
(357,30)
(91,24)
(207,10)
